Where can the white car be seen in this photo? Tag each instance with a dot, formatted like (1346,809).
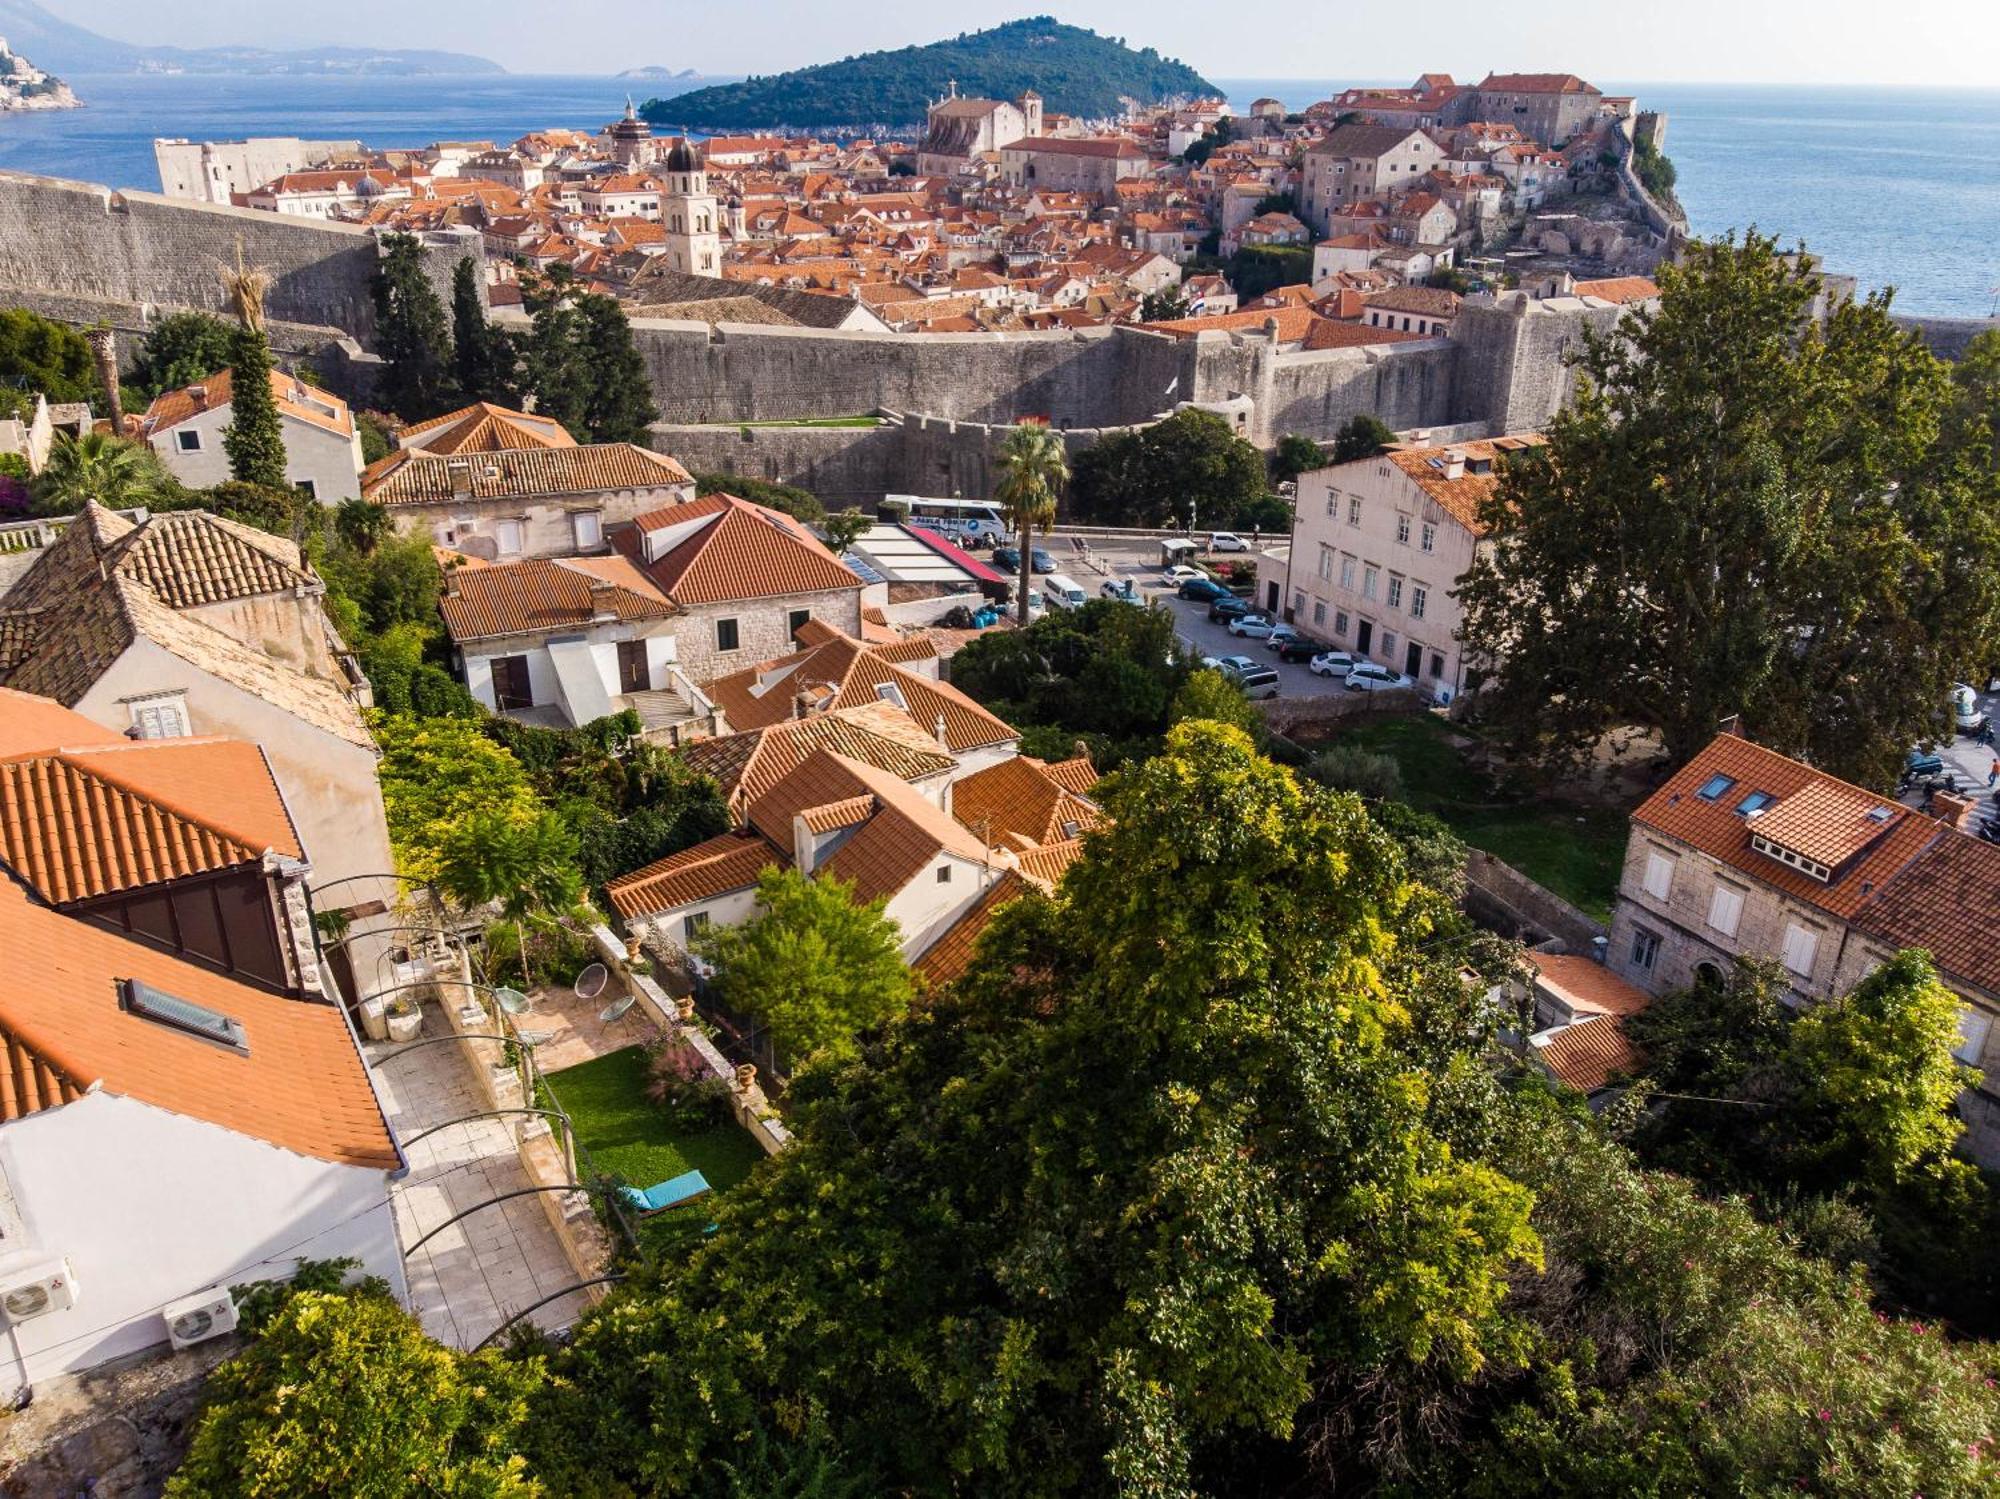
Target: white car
(1334,664)
(1120,588)
(1227,541)
(1368,677)
(1180,573)
(1252,626)
(1280,635)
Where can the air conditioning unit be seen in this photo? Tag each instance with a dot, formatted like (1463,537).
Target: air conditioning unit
(35,1290)
(196,1319)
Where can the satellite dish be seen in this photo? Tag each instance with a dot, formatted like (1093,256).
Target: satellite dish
(513,1001)
(590,983)
(617,1009)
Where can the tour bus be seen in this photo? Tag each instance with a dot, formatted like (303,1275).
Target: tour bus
(970,523)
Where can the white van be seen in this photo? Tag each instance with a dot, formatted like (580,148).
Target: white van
(1064,592)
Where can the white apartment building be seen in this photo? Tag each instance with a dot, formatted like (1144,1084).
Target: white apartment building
(1378,547)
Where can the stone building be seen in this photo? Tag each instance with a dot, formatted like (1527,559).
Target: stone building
(1356,161)
(1545,107)
(958,130)
(689,214)
(186,428)
(1084,166)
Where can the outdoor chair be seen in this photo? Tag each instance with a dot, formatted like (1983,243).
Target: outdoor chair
(657,1199)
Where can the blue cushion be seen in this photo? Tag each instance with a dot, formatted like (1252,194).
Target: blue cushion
(667,1193)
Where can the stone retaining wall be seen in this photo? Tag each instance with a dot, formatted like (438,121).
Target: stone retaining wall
(1500,896)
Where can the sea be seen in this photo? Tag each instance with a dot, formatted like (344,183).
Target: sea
(1899,188)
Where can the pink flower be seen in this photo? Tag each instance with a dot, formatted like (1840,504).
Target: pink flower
(1825,1415)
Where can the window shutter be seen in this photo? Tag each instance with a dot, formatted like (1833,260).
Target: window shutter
(1725,909)
(1972,1028)
(1801,948)
(1659,875)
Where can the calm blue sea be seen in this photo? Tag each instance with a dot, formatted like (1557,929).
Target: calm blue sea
(1898,187)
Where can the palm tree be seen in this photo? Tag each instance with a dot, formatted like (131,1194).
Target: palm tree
(98,466)
(1035,469)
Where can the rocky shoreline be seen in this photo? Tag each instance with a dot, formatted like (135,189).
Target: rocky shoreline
(23,86)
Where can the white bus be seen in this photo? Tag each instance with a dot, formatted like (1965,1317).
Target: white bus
(967,522)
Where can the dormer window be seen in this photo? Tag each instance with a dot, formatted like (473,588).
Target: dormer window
(1716,787)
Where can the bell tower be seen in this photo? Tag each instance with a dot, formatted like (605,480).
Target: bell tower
(688,214)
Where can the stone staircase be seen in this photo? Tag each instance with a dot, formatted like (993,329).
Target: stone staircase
(666,714)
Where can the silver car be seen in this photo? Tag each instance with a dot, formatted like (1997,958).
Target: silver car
(1368,677)
(1252,626)
(1334,664)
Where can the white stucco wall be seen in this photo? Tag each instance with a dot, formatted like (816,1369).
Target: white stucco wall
(478,657)
(329,461)
(924,908)
(150,1206)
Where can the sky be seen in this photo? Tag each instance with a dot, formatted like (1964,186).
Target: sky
(1915,42)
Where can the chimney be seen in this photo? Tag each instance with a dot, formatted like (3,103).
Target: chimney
(1454,465)
(941,737)
(802,844)
(461,478)
(1949,808)
(104,350)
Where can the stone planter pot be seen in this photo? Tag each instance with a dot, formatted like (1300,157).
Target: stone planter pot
(404,1027)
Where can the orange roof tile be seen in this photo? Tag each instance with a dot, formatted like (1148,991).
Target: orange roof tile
(947,958)
(1048,864)
(1461,497)
(485,428)
(411,476)
(295,398)
(1619,289)
(1587,1055)
(717,867)
(302,1086)
(1946,901)
(1587,986)
(1018,797)
(736,551)
(749,763)
(518,598)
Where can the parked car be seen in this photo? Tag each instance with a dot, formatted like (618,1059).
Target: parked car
(1227,541)
(1228,607)
(1120,588)
(1965,714)
(1334,664)
(1922,761)
(1235,666)
(1042,561)
(1368,677)
(1297,648)
(1181,573)
(1252,626)
(1006,560)
(1279,635)
(1256,679)
(1203,590)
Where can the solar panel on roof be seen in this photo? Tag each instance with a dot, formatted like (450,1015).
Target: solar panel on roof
(141,998)
(861,569)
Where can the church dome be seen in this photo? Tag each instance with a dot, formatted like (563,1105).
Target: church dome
(682,157)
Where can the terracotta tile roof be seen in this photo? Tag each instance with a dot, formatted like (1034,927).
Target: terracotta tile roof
(29,724)
(1047,865)
(1587,986)
(1019,798)
(1431,301)
(1328,334)
(1074,774)
(848,812)
(947,958)
(517,598)
(91,820)
(185,557)
(295,398)
(302,1086)
(1719,830)
(411,476)
(1619,289)
(844,673)
(1587,1055)
(1946,901)
(717,867)
(1536,83)
(732,549)
(485,428)
(1463,496)
(749,763)
(1827,821)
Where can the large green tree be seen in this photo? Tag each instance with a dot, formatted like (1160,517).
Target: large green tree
(1360,436)
(1189,468)
(580,363)
(815,967)
(255,437)
(483,356)
(1034,466)
(1744,512)
(1153,1174)
(412,334)
(620,405)
(39,356)
(182,349)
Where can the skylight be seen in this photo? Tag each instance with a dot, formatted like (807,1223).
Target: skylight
(142,999)
(1879,814)
(1715,788)
(1754,803)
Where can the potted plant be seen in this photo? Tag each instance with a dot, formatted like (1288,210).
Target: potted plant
(404,1019)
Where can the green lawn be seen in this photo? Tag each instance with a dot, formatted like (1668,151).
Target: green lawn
(1576,852)
(628,1137)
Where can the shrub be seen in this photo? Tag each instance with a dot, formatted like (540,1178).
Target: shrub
(1349,767)
(680,1082)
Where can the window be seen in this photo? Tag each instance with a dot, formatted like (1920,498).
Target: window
(1973,1026)
(161,717)
(1395,592)
(1437,666)
(1389,644)
(1645,949)
(1403,530)
(727,636)
(1801,948)
(1725,909)
(188,440)
(588,527)
(507,538)
(944,874)
(694,924)
(1332,504)
(1346,572)
(1340,622)
(1420,596)
(1659,880)
(1371,578)
(1326,563)
(1756,801)
(1354,510)
(1715,788)
(1319,612)
(307,488)
(796,621)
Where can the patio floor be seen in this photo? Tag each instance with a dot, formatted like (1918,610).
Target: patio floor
(567,1031)
(473,1276)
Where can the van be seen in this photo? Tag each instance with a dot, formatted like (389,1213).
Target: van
(1064,592)
(1258,682)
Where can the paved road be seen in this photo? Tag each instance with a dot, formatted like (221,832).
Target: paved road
(1972,761)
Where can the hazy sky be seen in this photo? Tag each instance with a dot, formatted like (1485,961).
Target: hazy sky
(1945,42)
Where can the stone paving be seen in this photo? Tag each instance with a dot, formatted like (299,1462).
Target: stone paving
(473,1276)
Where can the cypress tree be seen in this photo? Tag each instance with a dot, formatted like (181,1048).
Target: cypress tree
(255,440)
(482,354)
(412,334)
(618,405)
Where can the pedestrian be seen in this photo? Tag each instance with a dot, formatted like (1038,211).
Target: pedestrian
(1993,771)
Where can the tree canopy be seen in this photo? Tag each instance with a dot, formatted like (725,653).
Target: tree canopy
(1034,466)
(1192,463)
(483,356)
(579,362)
(182,349)
(412,334)
(114,471)
(1783,523)
(41,356)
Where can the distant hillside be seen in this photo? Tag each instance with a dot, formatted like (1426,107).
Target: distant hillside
(1076,72)
(64,48)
